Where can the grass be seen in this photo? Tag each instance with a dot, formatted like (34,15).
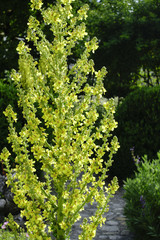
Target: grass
(7,235)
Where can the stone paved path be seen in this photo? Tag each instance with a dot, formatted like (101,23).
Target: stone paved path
(115,227)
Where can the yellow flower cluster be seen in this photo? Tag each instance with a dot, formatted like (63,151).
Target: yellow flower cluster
(59,132)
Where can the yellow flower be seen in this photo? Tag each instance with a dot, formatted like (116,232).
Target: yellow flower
(59,134)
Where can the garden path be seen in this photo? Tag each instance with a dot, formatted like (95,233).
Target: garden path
(115,227)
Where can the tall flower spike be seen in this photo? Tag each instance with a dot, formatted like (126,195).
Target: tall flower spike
(60,138)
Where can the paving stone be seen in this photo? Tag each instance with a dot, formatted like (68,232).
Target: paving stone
(125,232)
(121,218)
(110,228)
(123,223)
(103,237)
(2,203)
(115,237)
(113,223)
(115,227)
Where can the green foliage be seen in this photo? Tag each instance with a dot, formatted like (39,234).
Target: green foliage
(13,23)
(142,195)
(57,99)
(129,44)
(7,235)
(17,232)
(109,21)
(145,20)
(128,34)
(13,19)
(138,118)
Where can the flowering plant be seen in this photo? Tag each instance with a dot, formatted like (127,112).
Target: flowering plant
(4,225)
(17,232)
(72,161)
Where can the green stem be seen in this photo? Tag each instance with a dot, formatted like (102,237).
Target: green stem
(60,231)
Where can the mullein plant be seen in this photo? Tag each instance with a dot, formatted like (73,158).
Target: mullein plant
(73,160)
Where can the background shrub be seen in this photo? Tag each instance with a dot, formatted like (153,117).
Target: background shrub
(142,195)
(138,118)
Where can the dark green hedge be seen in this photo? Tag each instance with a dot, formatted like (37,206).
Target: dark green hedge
(138,118)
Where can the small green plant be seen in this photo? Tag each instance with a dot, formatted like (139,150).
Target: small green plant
(7,234)
(142,195)
(70,158)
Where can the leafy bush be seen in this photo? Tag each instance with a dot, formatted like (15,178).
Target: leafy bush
(138,118)
(142,195)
